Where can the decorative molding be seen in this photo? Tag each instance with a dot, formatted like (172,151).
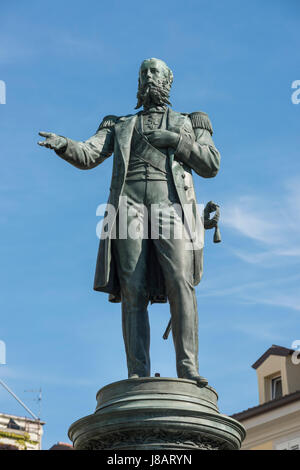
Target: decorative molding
(156,413)
(152,438)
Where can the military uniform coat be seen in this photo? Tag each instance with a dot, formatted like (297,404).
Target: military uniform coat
(195,152)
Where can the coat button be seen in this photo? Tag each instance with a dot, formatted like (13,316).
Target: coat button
(183,175)
(186,188)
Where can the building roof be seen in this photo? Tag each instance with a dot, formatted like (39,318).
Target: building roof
(268,406)
(62,446)
(274,350)
(23,418)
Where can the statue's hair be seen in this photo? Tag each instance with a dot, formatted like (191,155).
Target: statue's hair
(169,74)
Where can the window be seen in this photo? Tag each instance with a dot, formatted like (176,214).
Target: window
(13,425)
(292,444)
(276,390)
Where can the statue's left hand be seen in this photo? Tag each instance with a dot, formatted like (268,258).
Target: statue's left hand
(162,138)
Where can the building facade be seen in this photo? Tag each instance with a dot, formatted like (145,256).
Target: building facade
(18,433)
(275,423)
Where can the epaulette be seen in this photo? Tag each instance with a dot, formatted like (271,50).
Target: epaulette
(201,120)
(108,121)
(123,118)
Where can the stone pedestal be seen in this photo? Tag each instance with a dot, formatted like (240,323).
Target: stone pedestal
(156,413)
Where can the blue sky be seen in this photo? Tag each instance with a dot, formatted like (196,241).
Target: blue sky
(68,64)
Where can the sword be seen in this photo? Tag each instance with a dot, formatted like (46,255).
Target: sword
(167,330)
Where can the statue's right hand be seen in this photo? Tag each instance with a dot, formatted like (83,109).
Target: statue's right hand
(53,141)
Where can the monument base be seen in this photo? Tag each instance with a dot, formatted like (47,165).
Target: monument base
(156,413)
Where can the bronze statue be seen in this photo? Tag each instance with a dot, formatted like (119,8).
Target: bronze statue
(155,152)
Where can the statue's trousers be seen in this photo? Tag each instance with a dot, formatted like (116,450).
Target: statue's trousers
(150,219)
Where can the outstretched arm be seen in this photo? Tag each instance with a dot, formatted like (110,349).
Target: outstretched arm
(84,155)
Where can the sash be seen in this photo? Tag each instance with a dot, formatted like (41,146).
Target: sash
(146,152)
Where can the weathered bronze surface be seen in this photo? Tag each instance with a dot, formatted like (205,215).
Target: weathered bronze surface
(156,413)
(155,152)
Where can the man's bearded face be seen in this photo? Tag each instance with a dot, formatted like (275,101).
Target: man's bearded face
(155,82)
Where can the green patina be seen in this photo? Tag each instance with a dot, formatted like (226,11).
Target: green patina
(156,148)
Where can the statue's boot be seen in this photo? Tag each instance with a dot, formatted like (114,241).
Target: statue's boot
(201,381)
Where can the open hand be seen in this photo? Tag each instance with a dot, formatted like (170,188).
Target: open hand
(162,139)
(52,141)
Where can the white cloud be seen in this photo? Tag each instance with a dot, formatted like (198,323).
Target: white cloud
(271,221)
(293,252)
(246,217)
(264,332)
(290,301)
(269,257)
(279,292)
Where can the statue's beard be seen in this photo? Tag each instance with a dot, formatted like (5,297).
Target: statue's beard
(153,94)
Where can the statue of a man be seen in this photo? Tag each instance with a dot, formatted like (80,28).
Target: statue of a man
(155,152)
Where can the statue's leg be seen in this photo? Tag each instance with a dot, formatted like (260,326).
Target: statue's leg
(177,264)
(131,260)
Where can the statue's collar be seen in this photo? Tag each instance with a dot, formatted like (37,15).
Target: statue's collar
(154,109)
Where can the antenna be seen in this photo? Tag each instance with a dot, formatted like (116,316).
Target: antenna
(18,399)
(38,399)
